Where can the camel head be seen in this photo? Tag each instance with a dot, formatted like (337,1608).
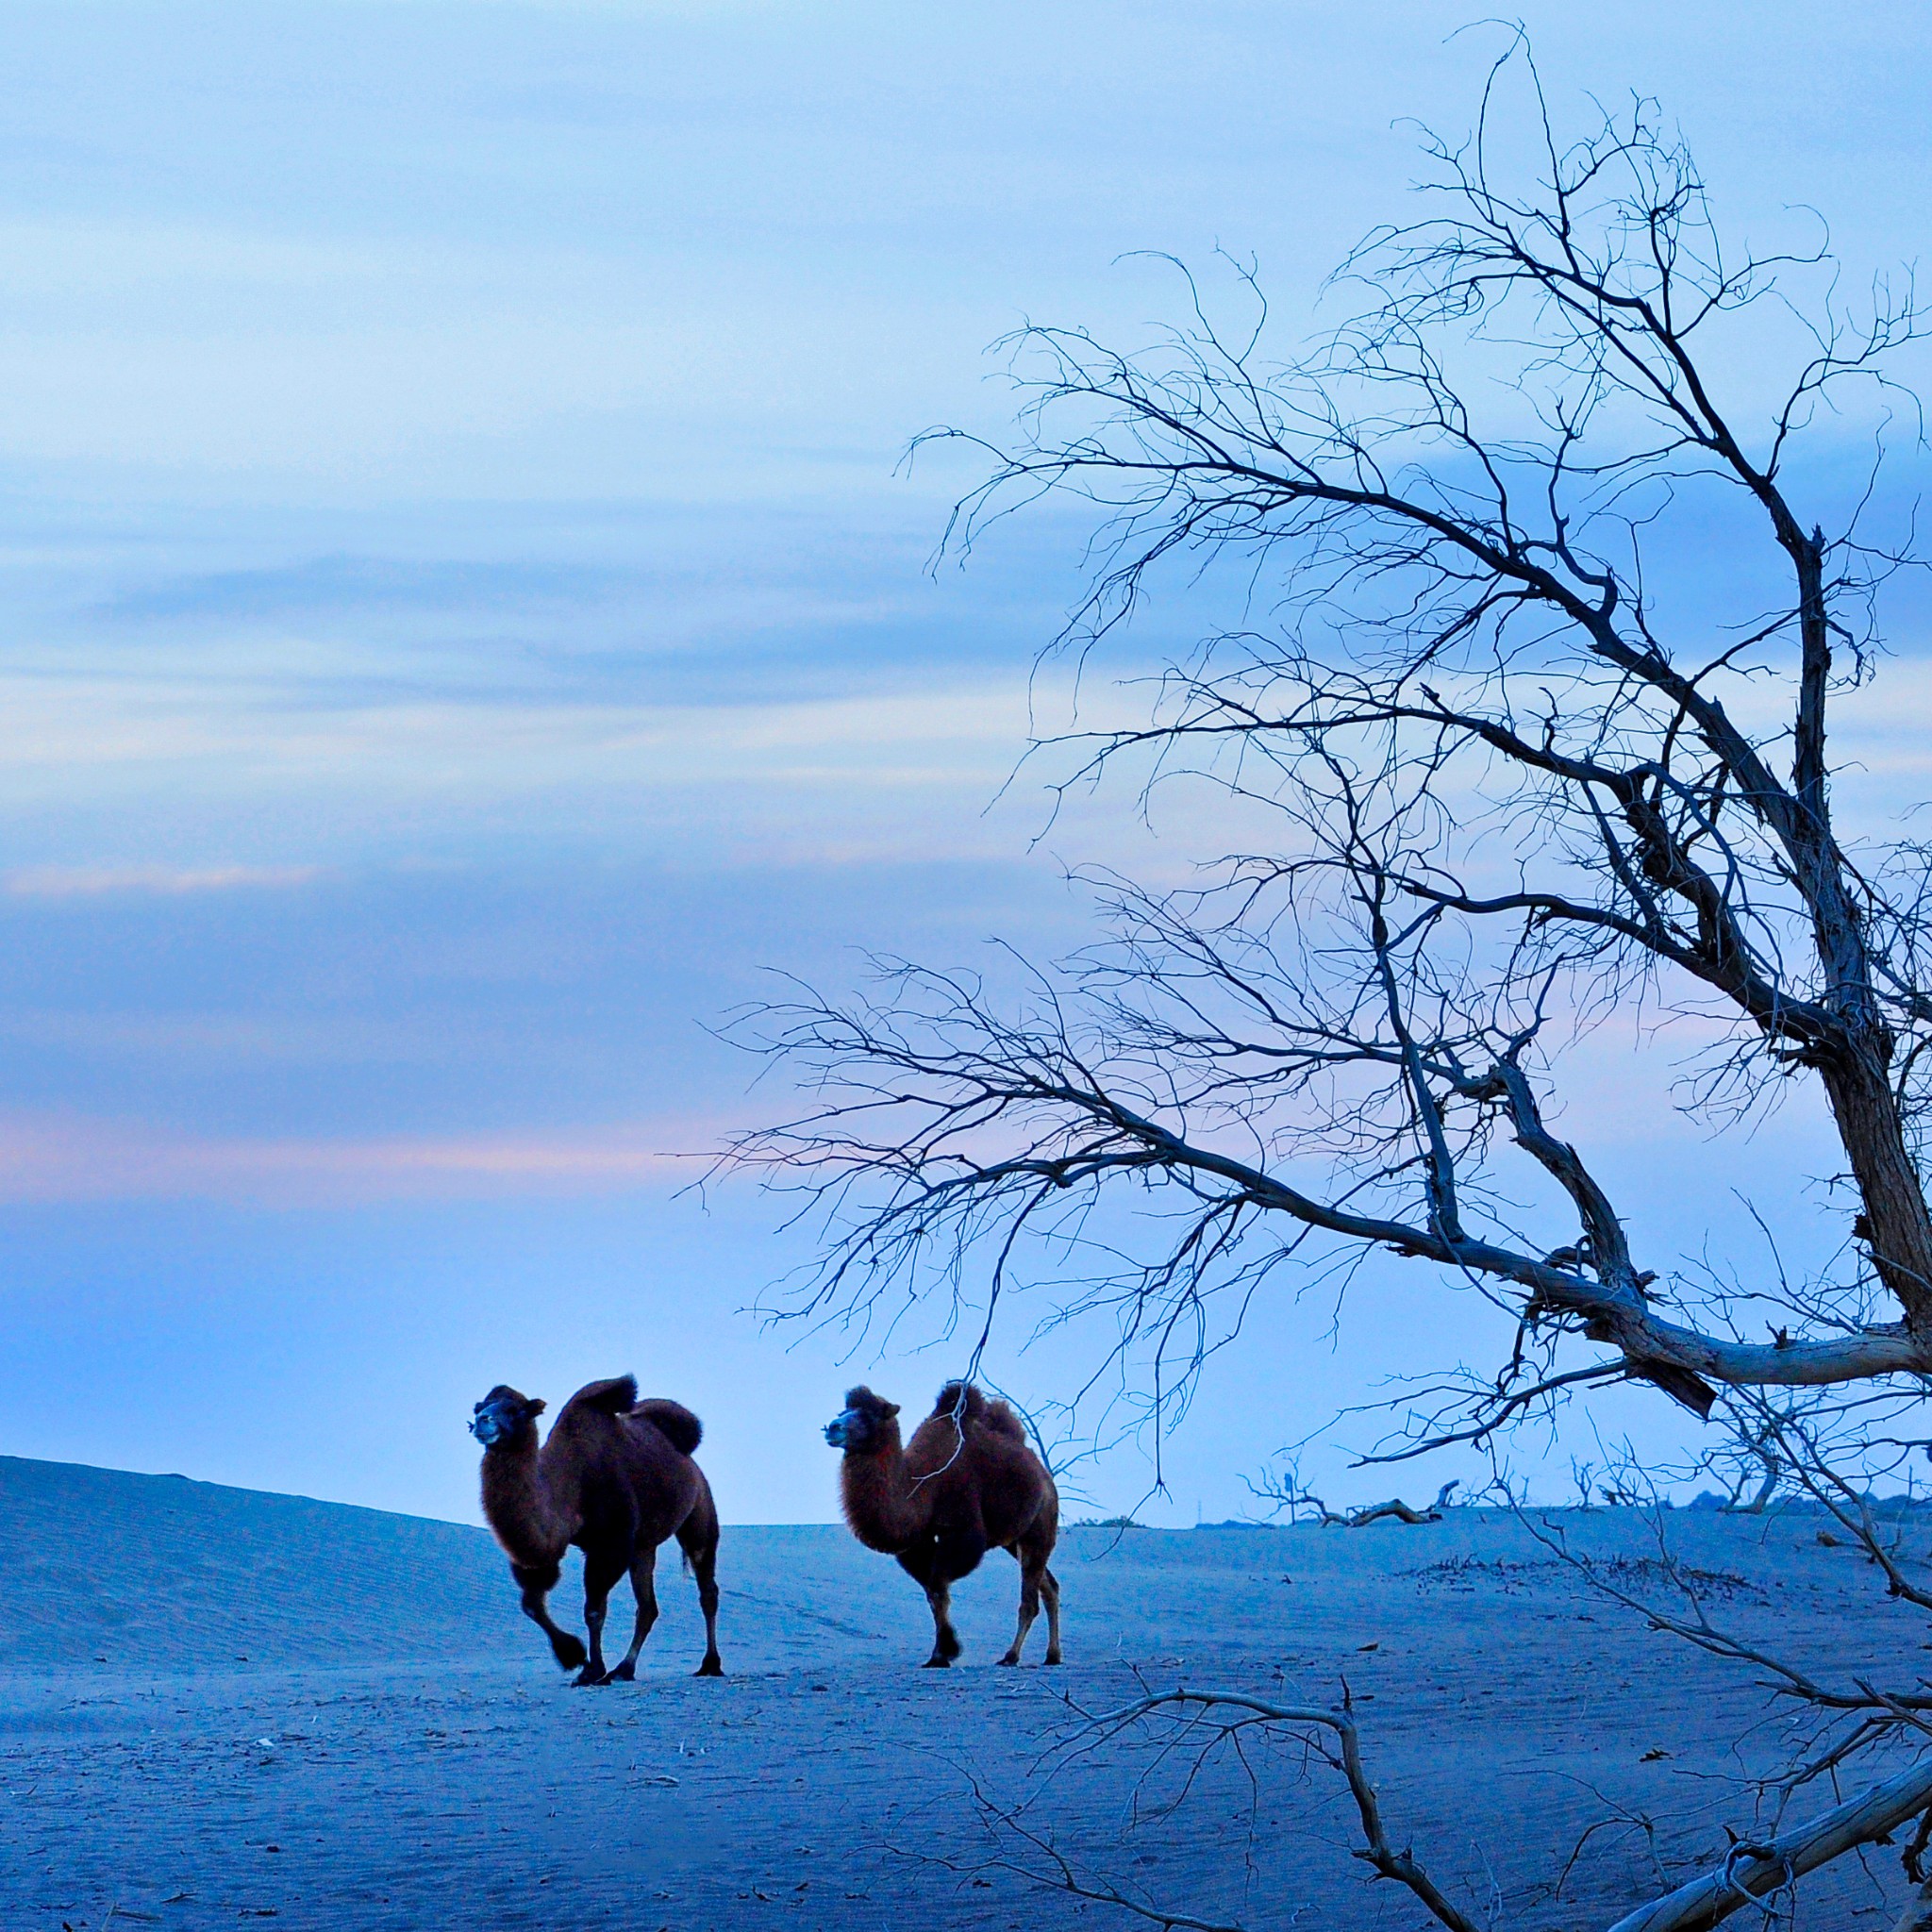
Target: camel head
(860,1426)
(503,1415)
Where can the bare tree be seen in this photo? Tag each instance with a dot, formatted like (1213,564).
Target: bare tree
(1531,738)
(1514,794)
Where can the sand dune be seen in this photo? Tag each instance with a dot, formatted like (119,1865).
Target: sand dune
(159,1573)
(336,1718)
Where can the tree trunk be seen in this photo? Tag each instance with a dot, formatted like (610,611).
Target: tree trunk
(1896,1225)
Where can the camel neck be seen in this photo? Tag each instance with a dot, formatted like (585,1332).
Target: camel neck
(880,1504)
(519,1507)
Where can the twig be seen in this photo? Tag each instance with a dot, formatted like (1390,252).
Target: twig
(1399,1866)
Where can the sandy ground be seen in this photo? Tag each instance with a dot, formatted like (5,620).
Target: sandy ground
(218,1706)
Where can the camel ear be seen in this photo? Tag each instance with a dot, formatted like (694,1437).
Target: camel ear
(535,1406)
(889,1409)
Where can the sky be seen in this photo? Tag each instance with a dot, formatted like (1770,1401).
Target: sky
(467,619)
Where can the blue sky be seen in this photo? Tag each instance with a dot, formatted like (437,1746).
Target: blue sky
(464,615)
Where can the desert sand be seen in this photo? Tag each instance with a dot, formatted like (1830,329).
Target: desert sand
(218,1706)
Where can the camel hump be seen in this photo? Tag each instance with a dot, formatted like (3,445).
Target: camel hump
(961,1401)
(617,1396)
(969,1406)
(1003,1422)
(672,1421)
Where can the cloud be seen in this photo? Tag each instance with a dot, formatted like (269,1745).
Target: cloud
(47,1160)
(164,881)
(881,773)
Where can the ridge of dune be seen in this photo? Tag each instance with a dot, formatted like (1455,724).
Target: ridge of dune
(163,1572)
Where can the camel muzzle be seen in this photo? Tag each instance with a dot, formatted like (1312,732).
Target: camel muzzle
(491,1425)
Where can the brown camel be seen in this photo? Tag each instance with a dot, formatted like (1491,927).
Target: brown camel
(615,1478)
(965,1484)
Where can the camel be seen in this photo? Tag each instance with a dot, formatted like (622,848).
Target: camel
(966,1483)
(615,1478)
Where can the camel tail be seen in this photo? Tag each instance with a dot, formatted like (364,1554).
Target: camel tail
(615,1397)
(672,1421)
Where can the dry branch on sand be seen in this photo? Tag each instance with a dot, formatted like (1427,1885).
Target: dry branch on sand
(1293,1497)
(1396,1511)
(1752,1873)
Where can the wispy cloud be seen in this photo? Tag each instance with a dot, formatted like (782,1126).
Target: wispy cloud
(861,772)
(164,881)
(52,1158)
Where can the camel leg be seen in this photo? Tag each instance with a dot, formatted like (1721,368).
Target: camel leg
(945,1639)
(697,1537)
(1032,1571)
(1036,1584)
(601,1572)
(535,1585)
(643,1585)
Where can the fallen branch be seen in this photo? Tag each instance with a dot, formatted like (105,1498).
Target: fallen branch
(1398,1509)
(1752,1873)
(1288,1494)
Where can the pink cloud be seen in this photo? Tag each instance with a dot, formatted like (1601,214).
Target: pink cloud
(91,881)
(48,1159)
